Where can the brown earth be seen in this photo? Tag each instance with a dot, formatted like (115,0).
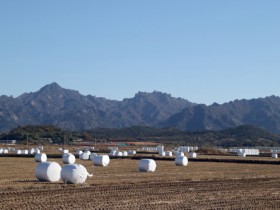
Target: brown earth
(120,186)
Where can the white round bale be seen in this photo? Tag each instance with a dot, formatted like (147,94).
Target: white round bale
(84,156)
(92,155)
(41,157)
(48,172)
(119,154)
(31,151)
(180,154)
(25,152)
(193,155)
(162,153)
(181,161)
(113,153)
(65,151)
(132,152)
(68,158)
(18,152)
(78,152)
(12,149)
(147,165)
(101,160)
(87,152)
(74,174)
(274,155)
(168,154)
(37,151)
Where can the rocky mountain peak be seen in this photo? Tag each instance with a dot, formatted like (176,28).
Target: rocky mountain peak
(51,88)
(68,109)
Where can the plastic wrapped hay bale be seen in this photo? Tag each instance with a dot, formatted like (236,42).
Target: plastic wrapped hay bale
(101,160)
(68,158)
(274,155)
(41,157)
(132,152)
(168,154)
(113,153)
(18,152)
(84,156)
(25,152)
(48,172)
(147,165)
(180,154)
(162,153)
(193,155)
(125,153)
(37,151)
(31,151)
(88,152)
(92,155)
(78,152)
(119,154)
(181,161)
(12,149)
(74,174)
(160,148)
(65,151)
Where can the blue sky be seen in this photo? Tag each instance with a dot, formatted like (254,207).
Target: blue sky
(205,51)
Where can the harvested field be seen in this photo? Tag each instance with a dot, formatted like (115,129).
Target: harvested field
(200,185)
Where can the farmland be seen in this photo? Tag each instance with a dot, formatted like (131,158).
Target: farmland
(200,185)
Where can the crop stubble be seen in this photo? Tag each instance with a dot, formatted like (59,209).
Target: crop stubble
(121,186)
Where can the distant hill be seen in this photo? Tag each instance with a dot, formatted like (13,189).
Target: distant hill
(261,112)
(244,136)
(39,135)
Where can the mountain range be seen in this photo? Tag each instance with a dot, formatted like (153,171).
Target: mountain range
(70,110)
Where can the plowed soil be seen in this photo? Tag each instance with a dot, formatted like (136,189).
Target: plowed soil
(121,186)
